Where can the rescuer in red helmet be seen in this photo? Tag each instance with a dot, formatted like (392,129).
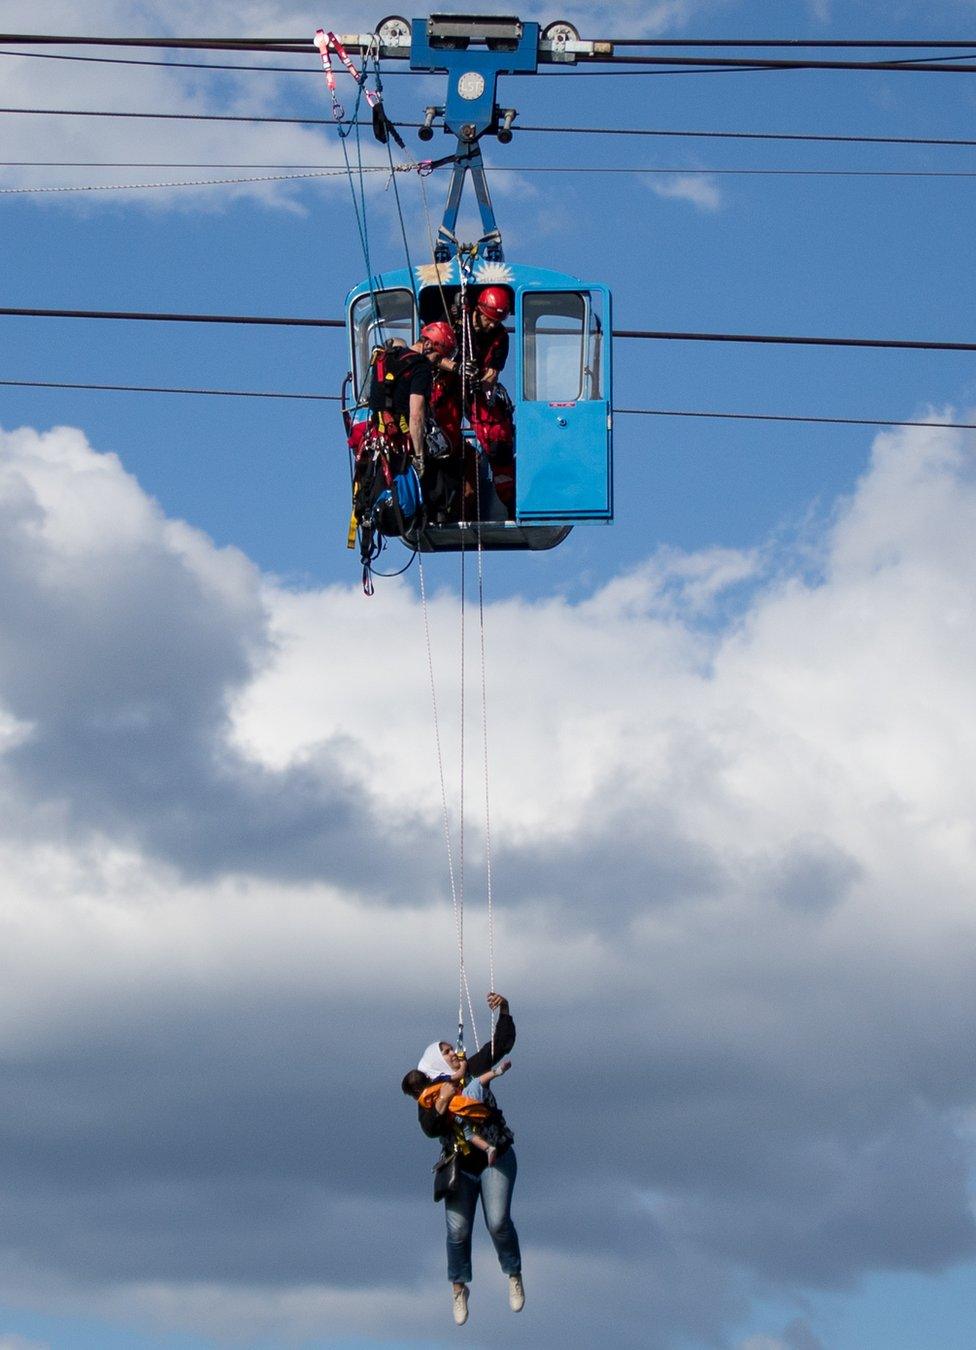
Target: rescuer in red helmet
(440,337)
(481,355)
(413,382)
(399,392)
(491,407)
(495,303)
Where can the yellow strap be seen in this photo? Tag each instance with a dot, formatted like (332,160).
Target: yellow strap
(353,523)
(460,1143)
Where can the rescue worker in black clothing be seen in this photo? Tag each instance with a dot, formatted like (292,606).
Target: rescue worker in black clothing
(493,1183)
(394,435)
(412,389)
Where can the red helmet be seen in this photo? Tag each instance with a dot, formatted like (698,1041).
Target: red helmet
(495,303)
(441,337)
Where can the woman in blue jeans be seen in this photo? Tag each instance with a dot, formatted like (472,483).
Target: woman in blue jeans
(492,1184)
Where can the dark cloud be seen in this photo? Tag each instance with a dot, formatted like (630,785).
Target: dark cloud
(630,854)
(122,661)
(620,863)
(729,1071)
(814,876)
(267,1144)
(893,1201)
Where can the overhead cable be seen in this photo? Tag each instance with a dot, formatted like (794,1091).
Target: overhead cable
(618,412)
(203,182)
(303,170)
(899,44)
(303,44)
(772,63)
(781,340)
(186,117)
(395,168)
(152,317)
(300,46)
(177,65)
(790,417)
(311,70)
(571,131)
(671,335)
(169,389)
(745,135)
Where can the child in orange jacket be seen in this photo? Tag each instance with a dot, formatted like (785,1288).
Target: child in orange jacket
(468,1106)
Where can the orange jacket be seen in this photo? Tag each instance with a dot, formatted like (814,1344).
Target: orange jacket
(459,1105)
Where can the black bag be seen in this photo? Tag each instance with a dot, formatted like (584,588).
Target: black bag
(447,1176)
(436,444)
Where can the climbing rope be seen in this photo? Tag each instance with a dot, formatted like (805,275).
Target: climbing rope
(464,261)
(484,751)
(457,897)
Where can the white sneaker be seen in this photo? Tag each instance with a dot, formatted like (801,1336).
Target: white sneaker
(516,1293)
(461,1305)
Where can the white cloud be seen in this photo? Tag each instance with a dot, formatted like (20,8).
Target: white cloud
(732,811)
(699,189)
(39,82)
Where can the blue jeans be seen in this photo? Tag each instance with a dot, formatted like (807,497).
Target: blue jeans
(495,1188)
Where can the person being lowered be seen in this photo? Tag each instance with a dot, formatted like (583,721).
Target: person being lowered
(479,1178)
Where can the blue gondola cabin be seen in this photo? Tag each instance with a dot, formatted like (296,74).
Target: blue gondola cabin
(558,375)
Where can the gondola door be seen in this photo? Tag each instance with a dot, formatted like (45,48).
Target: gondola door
(563,410)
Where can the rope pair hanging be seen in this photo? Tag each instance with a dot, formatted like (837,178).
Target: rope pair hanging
(456,876)
(457,881)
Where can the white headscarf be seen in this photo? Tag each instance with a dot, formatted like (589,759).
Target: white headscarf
(432,1061)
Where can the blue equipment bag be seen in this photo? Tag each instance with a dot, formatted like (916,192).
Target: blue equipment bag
(396,507)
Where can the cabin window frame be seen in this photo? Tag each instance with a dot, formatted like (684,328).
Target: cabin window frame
(585,382)
(367,331)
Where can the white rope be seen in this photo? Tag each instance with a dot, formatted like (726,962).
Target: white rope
(467,355)
(461,782)
(458,883)
(467,343)
(484,730)
(459,895)
(207,182)
(457,901)
(484,750)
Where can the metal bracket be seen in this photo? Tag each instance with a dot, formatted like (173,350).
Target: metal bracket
(489,247)
(451,43)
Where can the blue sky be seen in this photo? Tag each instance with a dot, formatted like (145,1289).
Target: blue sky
(731,733)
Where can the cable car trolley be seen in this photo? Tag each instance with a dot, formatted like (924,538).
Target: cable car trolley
(557,398)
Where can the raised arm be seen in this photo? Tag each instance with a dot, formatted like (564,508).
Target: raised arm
(485,1078)
(482,1060)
